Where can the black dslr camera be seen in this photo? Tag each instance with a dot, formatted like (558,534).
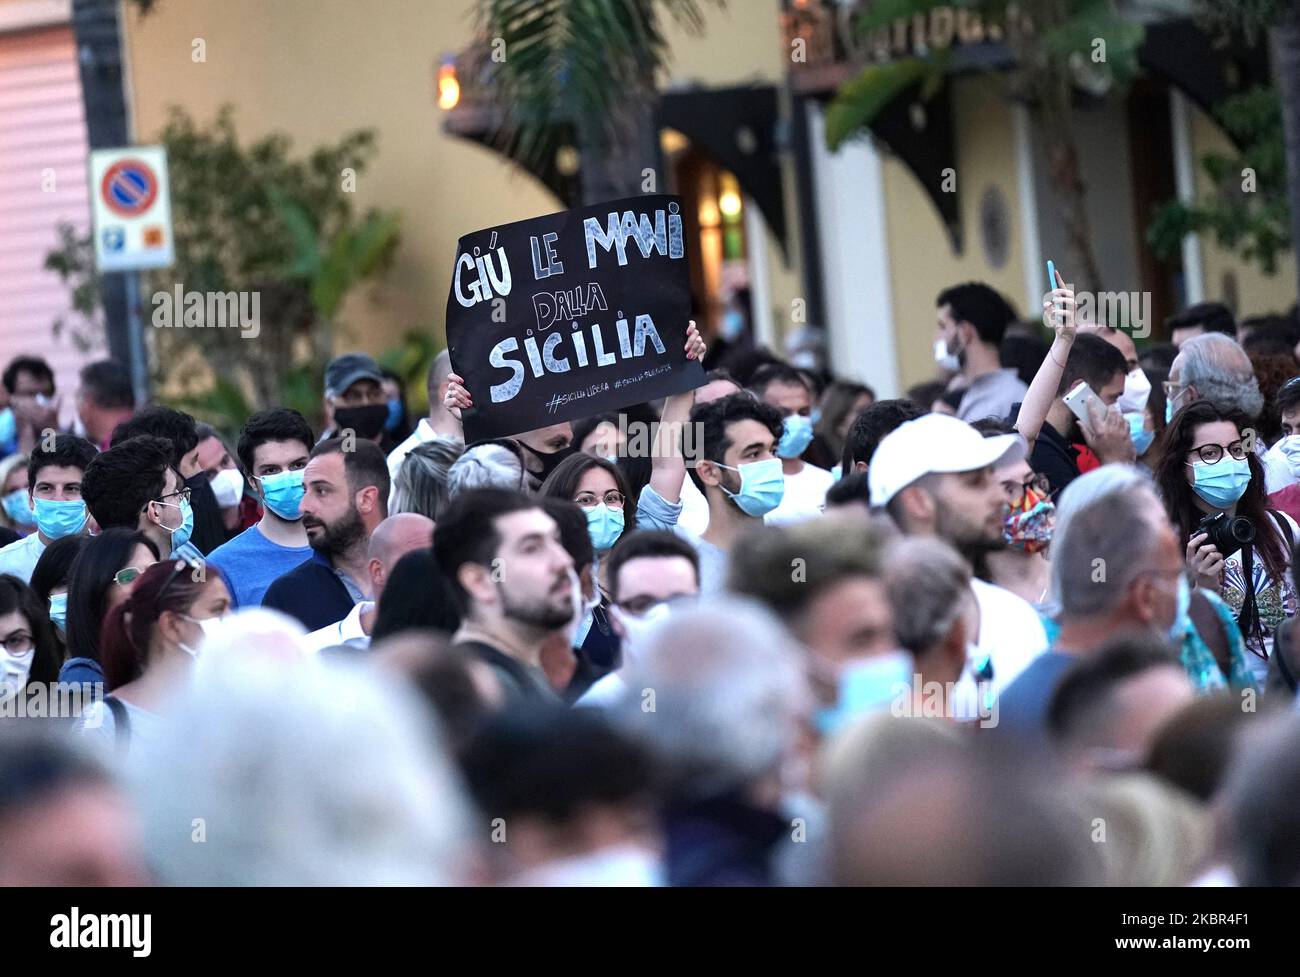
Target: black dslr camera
(1227,533)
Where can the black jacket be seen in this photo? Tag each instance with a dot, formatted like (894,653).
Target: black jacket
(311,592)
(1054,457)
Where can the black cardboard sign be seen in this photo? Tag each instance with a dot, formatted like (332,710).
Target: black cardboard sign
(569,315)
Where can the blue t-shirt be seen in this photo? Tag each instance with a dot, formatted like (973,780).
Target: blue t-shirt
(1022,706)
(251,563)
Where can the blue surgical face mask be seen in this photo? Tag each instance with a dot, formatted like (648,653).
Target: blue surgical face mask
(1138,433)
(815,416)
(282,493)
(56,519)
(796,435)
(605,526)
(1182,616)
(59,611)
(19,508)
(394,415)
(733,324)
(868,685)
(181,534)
(762,486)
(8,430)
(1222,483)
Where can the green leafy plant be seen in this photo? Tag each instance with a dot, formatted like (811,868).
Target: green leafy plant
(583,70)
(74,262)
(1279,20)
(258,220)
(1053,52)
(1252,223)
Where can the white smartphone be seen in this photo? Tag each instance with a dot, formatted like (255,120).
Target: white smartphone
(1078,400)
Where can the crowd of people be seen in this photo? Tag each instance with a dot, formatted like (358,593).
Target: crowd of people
(1030,623)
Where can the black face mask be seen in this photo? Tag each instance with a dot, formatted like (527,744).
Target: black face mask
(549,459)
(367,421)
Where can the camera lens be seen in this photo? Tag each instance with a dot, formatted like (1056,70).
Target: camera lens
(1242,530)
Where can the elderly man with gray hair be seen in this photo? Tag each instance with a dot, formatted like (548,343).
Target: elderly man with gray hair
(300,776)
(720,695)
(934,609)
(1116,567)
(1214,367)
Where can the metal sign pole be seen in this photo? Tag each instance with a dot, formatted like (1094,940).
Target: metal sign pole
(135,340)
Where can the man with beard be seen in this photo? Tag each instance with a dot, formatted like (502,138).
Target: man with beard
(1064,447)
(355,399)
(934,476)
(514,583)
(739,473)
(345,498)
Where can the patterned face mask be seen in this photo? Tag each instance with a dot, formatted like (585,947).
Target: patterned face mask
(1028,526)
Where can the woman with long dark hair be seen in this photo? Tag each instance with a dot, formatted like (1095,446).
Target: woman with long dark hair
(101,579)
(1208,467)
(29,649)
(598,488)
(149,643)
(50,582)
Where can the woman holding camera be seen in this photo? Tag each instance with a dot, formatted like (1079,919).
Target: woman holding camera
(1213,488)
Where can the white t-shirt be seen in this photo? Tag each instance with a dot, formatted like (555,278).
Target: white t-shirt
(1011,635)
(606,691)
(805,494)
(19,557)
(423,434)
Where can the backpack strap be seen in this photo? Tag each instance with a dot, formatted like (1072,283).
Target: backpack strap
(121,723)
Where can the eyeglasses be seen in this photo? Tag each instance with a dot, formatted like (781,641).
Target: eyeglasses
(127,576)
(1172,390)
(184,495)
(612,498)
(18,643)
(1037,483)
(1212,453)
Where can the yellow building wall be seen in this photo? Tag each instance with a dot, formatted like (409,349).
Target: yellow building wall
(921,258)
(316,69)
(1258,294)
(741,44)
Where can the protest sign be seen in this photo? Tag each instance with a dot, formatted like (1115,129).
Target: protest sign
(570,315)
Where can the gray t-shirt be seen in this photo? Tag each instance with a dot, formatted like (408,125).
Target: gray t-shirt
(713,564)
(992,395)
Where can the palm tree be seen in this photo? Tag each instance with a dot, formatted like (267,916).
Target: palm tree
(1052,43)
(586,71)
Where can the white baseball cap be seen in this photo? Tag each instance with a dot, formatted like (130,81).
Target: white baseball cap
(934,443)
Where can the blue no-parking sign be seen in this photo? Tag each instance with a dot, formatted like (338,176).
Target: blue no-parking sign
(131,208)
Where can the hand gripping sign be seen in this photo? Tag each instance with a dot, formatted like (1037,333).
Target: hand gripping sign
(570,315)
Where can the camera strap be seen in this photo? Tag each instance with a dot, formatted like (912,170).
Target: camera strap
(1248,621)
